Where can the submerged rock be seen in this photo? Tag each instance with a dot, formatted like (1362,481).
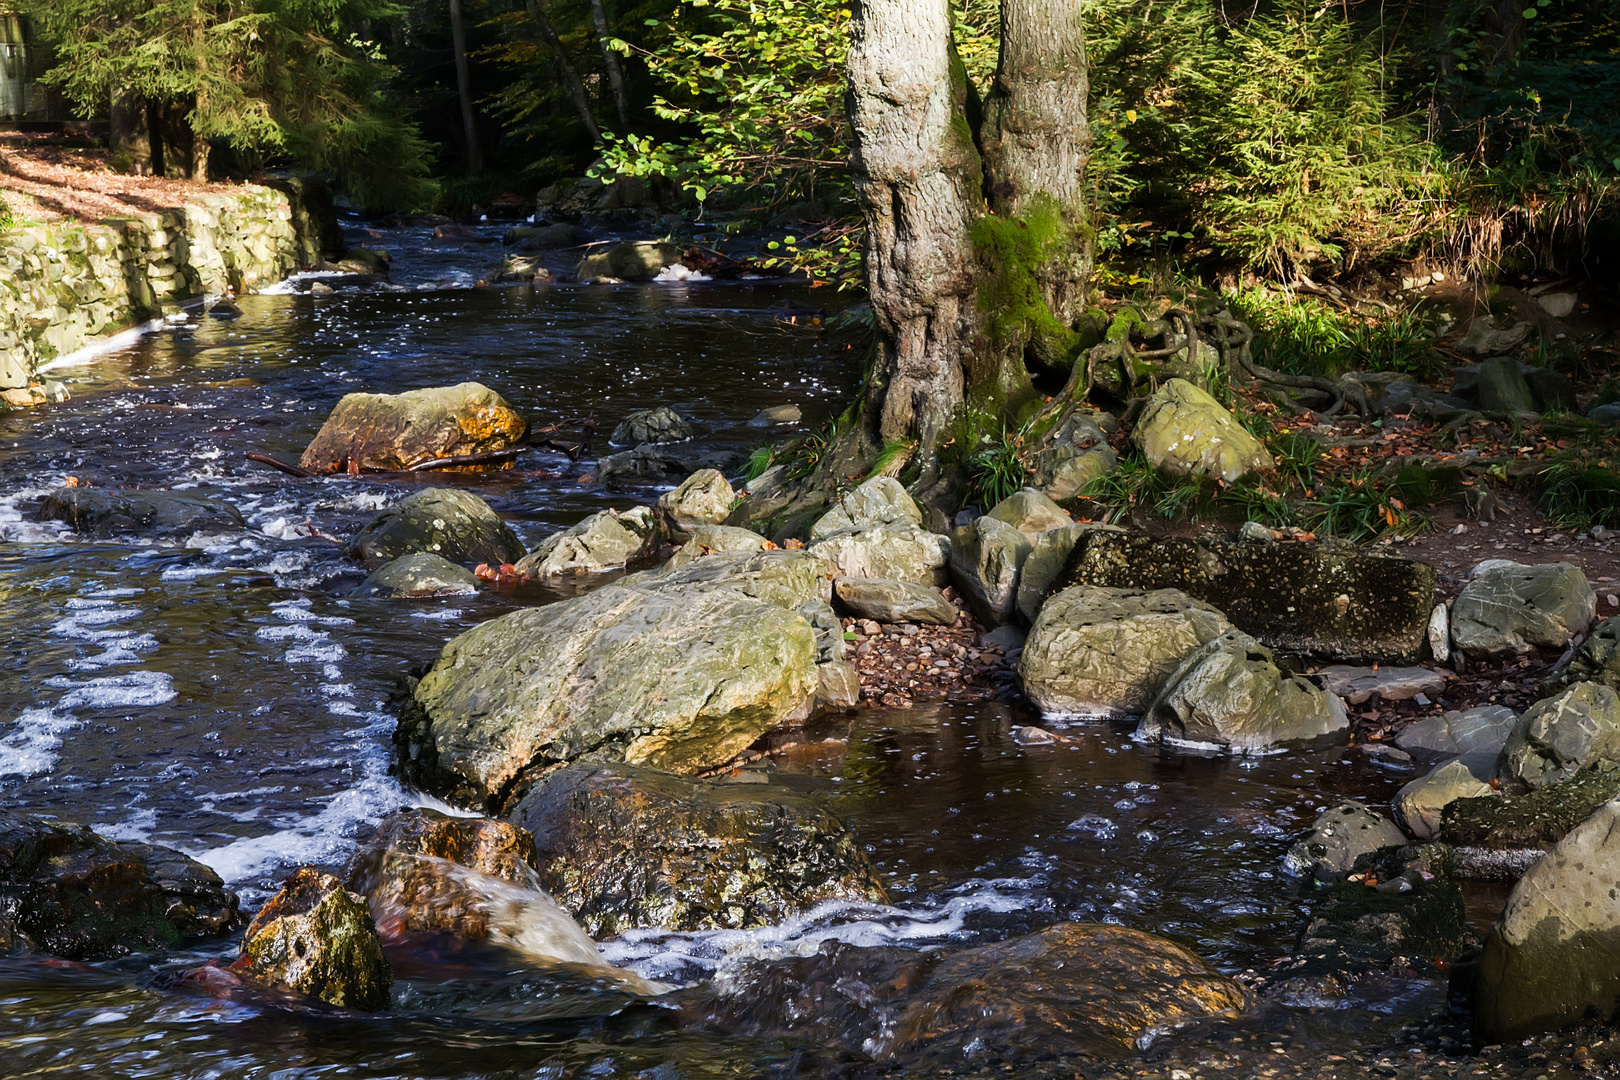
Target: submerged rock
(1109,652)
(1231,693)
(82,896)
(392,432)
(1184,431)
(1508,607)
(879,501)
(316,938)
(420,574)
(1073,988)
(102,512)
(888,601)
(599,543)
(660,425)
(456,525)
(1319,598)
(624,847)
(1553,958)
(1341,835)
(1562,735)
(986,557)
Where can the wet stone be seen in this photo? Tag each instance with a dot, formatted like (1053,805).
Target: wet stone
(103,512)
(1357,685)
(420,574)
(392,432)
(456,525)
(1341,834)
(316,938)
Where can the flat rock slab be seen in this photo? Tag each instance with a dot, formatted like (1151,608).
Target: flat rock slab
(1320,599)
(1480,730)
(1356,685)
(886,600)
(101,512)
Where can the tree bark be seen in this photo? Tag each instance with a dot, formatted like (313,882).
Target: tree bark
(611,60)
(458,38)
(128,132)
(576,88)
(920,187)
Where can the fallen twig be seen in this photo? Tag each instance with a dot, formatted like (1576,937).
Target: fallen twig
(282,466)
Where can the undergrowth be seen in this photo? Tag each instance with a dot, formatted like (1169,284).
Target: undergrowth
(1306,336)
(1577,496)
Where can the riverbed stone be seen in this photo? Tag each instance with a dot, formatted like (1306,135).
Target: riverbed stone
(886,600)
(1502,387)
(1108,652)
(419,574)
(1231,693)
(102,512)
(901,552)
(1509,607)
(453,524)
(1327,599)
(680,668)
(624,846)
(79,895)
(1070,989)
(1341,834)
(1075,453)
(1576,729)
(316,938)
(1185,432)
(660,425)
(392,432)
(1356,684)
(1597,660)
(1418,806)
(1553,958)
(1031,513)
(1482,729)
(1534,821)
(714,539)
(879,501)
(986,556)
(629,261)
(704,498)
(604,541)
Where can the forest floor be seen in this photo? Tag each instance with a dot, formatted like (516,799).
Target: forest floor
(55,177)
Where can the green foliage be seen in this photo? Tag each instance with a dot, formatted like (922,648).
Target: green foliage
(7,219)
(761,459)
(997,469)
(893,451)
(1359,507)
(1303,335)
(1578,496)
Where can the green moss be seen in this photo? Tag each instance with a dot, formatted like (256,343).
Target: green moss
(1014,250)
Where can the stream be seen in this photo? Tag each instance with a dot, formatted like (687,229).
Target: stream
(224,695)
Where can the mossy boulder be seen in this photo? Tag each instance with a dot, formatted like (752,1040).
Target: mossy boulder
(1318,598)
(879,501)
(1185,432)
(622,847)
(1074,455)
(1534,821)
(900,552)
(1576,729)
(715,539)
(599,543)
(630,261)
(392,432)
(1108,652)
(421,574)
(103,512)
(1510,608)
(659,425)
(316,938)
(456,525)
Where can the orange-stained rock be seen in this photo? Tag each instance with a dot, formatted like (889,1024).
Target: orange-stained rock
(316,938)
(392,432)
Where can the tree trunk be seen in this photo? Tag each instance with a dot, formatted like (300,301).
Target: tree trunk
(918,179)
(129,135)
(611,59)
(458,38)
(576,88)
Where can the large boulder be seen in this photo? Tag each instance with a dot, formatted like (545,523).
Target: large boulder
(1597,660)
(1031,513)
(1341,835)
(82,896)
(1419,805)
(1479,730)
(623,847)
(629,261)
(714,539)
(103,512)
(1509,607)
(1184,431)
(1071,989)
(316,938)
(456,525)
(1558,737)
(879,501)
(704,498)
(680,668)
(900,552)
(885,600)
(392,432)
(660,425)
(1318,598)
(1048,555)
(1108,652)
(1528,822)
(601,542)
(421,574)
(986,556)
(1231,693)
(1553,958)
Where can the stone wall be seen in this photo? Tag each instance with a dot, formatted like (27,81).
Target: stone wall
(62,284)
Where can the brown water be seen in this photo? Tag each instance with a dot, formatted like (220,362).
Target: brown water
(226,696)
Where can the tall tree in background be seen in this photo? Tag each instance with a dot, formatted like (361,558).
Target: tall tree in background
(464,92)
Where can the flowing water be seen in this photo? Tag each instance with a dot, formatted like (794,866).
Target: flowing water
(222,694)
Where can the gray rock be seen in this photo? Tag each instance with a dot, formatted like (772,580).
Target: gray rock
(638,261)
(601,542)
(1607,415)
(1341,834)
(321,288)
(1480,730)
(1006,638)
(1553,957)
(104,512)
(1502,388)
(777,416)
(839,686)
(879,501)
(1559,736)
(704,498)
(1485,339)
(449,522)
(888,601)
(1256,533)
(1552,391)
(1075,454)
(1184,431)
(420,574)
(1510,608)
(1231,693)
(1418,805)
(1109,652)
(900,552)
(646,464)
(1597,660)
(545,237)
(1047,556)
(1558,304)
(1031,513)
(1355,685)
(660,425)
(713,539)
(1440,632)
(985,559)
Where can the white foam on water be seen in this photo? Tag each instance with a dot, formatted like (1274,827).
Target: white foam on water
(298,611)
(109,594)
(29,748)
(132,690)
(283,529)
(316,653)
(441,614)
(126,649)
(292,632)
(138,827)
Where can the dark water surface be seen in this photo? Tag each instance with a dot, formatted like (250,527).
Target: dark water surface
(222,694)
